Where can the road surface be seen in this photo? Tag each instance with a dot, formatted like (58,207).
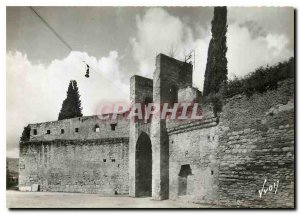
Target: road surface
(16,199)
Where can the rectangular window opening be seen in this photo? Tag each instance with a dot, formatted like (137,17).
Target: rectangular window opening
(104,160)
(34,132)
(48,132)
(62,131)
(76,129)
(113,160)
(113,126)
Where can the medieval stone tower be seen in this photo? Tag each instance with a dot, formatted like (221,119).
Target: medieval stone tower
(149,141)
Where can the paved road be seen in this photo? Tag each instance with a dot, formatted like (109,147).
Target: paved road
(16,199)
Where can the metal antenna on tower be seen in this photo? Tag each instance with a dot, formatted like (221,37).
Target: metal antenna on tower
(190,58)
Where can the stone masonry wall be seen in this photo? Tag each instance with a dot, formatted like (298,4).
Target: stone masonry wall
(189,94)
(87,166)
(194,145)
(141,91)
(86,129)
(256,142)
(169,76)
(231,156)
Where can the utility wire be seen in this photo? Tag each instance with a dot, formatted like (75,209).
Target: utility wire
(68,46)
(56,34)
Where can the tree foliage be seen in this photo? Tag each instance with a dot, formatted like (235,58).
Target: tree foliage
(216,67)
(25,134)
(71,106)
(208,70)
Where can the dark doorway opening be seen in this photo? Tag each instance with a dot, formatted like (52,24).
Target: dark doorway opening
(143,170)
(185,171)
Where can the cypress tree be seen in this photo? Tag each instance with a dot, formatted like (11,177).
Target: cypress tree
(208,70)
(71,106)
(216,67)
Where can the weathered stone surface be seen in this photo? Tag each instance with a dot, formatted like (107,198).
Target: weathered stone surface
(86,129)
(169,76)
(141,89)
(88,166)
(268,149)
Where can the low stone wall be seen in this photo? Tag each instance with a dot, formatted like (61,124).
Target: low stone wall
(87,166)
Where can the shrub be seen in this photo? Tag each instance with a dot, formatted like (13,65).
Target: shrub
(25,134)
(261,80)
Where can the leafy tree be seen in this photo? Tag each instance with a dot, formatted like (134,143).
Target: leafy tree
(216,67)
(25,134)
(71,106)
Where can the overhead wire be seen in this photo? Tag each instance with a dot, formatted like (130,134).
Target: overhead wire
(89,67)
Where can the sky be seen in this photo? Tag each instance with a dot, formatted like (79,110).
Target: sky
(118,42)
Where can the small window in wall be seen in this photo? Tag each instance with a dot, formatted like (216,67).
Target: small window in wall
(212,172)
(62,131)
(76,129)
(148,100)
(113,160)
(34,132)
(97,129)
(48,132)
(104,160)
(113,126)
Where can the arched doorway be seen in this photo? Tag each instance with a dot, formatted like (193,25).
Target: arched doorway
(143,170)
